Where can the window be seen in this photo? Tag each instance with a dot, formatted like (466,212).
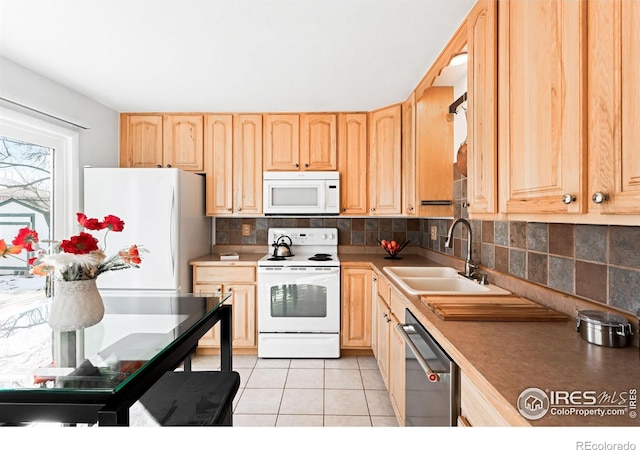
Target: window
(38,187)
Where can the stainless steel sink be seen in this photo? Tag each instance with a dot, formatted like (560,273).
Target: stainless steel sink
(439,281)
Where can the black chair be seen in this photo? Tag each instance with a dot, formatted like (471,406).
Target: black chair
(200,398)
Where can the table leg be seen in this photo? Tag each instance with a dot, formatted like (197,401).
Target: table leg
(226,353)
(110,418)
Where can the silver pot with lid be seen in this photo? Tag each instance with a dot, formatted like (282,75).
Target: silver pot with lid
(603,328)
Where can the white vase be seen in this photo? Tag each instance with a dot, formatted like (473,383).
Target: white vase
(76,305)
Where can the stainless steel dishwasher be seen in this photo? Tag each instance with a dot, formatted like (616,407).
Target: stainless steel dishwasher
(432,392)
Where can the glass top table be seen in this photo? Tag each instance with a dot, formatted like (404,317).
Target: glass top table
(95,374)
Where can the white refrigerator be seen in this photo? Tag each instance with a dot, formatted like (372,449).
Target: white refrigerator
(164,212)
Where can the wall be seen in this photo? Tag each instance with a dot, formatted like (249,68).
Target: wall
(98,144)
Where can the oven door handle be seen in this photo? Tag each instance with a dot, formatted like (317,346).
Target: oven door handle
(431,375)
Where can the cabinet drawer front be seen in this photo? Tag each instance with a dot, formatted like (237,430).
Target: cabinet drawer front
(225,274)
(397,305)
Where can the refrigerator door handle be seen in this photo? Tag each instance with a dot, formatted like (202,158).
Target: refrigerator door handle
(173,232)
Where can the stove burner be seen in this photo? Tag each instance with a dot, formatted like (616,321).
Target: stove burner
(320,257)
(277,258)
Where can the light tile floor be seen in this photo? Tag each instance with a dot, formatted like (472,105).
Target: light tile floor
(348,391)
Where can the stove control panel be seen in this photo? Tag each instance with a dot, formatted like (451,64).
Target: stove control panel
(306,236)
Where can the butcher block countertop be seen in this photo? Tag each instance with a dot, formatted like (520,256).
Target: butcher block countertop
(503,358)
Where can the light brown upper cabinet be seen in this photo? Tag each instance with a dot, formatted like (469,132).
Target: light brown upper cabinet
(410,199)
(434,146)
(218,163)
(614,106)
(385,161)
(542,106)
(281,142)
(247,164)
(156,140)
(434,130)
(300,142)
(233,164)
(318,142)
(482,107)
(352,163)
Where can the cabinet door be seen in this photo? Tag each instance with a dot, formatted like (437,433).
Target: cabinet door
(356,308)
(374,314)
(183,142)
(614,106)
(140,141)
(281,142)
(409,193)
(247,163)
(385,161)
(434,147)
(352,163)
(218,145)
(212,337)
(397,369)
(382,335)
(318,145)
(243,301)
(482,94)
(542,107)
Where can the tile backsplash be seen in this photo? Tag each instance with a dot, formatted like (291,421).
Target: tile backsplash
(595,262)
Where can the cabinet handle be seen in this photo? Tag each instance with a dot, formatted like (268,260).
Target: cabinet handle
(229,289)
(600,197)
(568,198)
(410,208)
(168,165)
(159,166)
(297,165)
(375,279)
(306,165)
(344,209)
(239,209)
(229,209)
(219,290)
(373,209)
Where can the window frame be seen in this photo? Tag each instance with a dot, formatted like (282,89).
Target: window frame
(66,189)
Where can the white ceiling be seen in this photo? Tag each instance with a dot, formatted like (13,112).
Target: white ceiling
(231,55)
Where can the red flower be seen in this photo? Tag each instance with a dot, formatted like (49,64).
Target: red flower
(80,245)
(26,238)
(131,256)
(113,223)
(90,224)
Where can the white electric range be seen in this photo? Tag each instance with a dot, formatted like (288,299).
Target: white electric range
(299,296)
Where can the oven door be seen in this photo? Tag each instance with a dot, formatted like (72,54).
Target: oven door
(299,299)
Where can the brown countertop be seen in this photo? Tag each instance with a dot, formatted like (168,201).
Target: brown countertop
(214,259)
(505,358)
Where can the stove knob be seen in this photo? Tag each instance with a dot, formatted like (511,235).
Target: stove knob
(324,236)
(332,236)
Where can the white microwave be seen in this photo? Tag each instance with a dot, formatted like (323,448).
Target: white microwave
(301,193)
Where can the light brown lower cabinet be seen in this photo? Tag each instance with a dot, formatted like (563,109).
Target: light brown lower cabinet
(240,282)
(475,408)
(355,328)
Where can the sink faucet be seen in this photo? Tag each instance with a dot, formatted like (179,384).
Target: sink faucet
(469,266)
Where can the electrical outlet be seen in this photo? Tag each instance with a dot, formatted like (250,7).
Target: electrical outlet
(434,233)
(246,229)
